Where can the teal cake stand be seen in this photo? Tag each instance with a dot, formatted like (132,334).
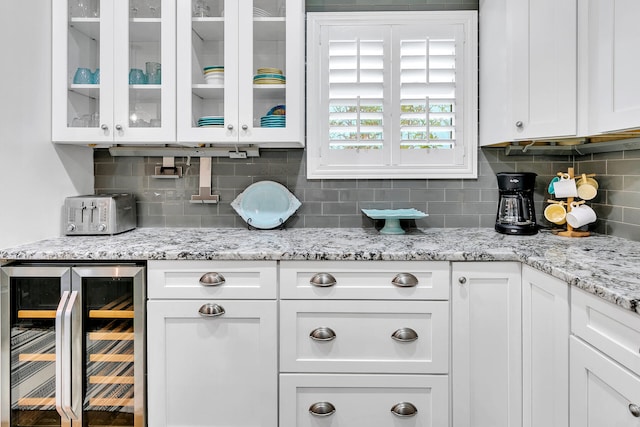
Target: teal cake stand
(392,218)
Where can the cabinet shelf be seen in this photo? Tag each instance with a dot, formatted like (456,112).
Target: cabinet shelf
(37,357)
(36,314)
(36,401)
(212,29)
(111,379)
(88,90)
(120,308)
(90,27)
(144,30)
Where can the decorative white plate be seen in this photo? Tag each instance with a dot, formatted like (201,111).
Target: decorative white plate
(392,218)
(266,204)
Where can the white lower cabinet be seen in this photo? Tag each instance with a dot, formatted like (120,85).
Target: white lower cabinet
(545,350)
(486,349)
(603,393)
(319,400)
(212,361)
(605,363)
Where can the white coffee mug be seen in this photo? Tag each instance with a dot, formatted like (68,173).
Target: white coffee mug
(580,215)
(566,187)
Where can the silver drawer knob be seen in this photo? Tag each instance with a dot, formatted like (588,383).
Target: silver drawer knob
(634,409)
(519,124)
(212,279)
(462,280)
(211,310)
(405,280)
(323,334)
(322,409)
(405,335)
(404,409)
(323,280)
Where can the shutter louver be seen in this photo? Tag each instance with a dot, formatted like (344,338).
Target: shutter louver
(427,93)
(356,92)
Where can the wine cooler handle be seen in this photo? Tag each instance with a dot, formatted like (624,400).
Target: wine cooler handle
(72,390)
(61,356)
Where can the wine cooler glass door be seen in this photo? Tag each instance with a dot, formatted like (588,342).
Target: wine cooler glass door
(30,297)
(113,318)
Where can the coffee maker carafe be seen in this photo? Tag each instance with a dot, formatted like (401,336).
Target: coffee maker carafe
(516,214)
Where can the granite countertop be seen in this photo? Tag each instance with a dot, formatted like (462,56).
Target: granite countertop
(602,265)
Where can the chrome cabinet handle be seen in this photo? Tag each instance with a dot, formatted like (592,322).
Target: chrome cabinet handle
(322,333)
(104,127)
(61,356)
(405,280)
(230,126)
(322,409)
(73,338)
(323,280)
(519,124)
(245,127)
(118,127)
(634,409)
(212,279)
(405,335)
(404,409)
(462,280)
(211,310)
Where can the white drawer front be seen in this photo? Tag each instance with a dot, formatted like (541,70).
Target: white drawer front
(242,279)
(610,329)
(364,400)
(365,280)
(363,336)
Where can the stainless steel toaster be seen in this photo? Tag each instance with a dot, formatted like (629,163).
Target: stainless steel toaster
(101,214)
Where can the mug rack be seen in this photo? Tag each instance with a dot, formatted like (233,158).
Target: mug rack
(570,231)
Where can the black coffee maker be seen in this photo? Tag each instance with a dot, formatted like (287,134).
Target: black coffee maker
(516,214)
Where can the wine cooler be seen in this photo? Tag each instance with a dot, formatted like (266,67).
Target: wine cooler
(72,345)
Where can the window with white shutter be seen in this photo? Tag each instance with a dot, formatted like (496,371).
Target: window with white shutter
(392,95)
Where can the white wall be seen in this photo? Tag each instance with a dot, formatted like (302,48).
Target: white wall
(35,175)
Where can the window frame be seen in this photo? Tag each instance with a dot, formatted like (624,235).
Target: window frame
(463,23)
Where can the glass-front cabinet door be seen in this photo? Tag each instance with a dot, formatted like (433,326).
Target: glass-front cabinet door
(241,72)
(113,71)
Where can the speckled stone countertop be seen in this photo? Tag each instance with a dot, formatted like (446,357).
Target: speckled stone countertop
(602,265)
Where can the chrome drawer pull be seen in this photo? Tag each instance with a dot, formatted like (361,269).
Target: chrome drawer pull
(634,409)
(211,310)
(212,279)
(323,334)
(322,409)
(323,280)
(405,280)
(405,335)
(404,409)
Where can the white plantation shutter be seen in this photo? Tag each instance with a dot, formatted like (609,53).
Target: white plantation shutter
(428,95)
(392,95)
(355,100)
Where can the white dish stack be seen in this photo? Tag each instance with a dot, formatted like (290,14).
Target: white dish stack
(214,75)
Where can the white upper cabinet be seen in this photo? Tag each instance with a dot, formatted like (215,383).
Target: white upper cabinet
(528,70)
(614,86)
(131,99)
(240,68)
(392,95)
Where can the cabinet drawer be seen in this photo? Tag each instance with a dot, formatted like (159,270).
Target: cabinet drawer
(198,279)
(607,327)
(364,400)
(358,336)
(364,280)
